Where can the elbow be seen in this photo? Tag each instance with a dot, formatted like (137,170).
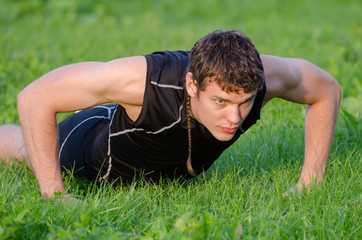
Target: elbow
(332,89)
(333,95)
(337,91)
(32,100)
(23,101)
(28,101)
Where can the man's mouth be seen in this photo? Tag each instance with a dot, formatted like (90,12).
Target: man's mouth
(229,130)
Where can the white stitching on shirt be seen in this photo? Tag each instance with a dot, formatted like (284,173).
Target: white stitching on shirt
(149,132)
(109,148)
(166,85)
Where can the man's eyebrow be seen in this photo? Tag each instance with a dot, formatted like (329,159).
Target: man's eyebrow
(221,98)
(228,100)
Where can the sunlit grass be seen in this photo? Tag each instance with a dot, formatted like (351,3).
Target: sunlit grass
(241,196)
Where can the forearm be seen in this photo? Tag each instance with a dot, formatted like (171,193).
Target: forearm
(320,124)
(40,136)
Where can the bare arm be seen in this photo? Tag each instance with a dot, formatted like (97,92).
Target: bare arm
(70,88)
(302,82)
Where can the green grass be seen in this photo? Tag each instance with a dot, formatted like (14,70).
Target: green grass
(241,195)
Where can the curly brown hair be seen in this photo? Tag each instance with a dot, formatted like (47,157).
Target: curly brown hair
(229,58)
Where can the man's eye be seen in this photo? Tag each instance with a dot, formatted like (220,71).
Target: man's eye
(220,101)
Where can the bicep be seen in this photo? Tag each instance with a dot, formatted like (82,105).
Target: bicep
(84,85)
(297,81)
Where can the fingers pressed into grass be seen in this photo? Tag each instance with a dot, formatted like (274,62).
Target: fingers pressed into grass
(66,199)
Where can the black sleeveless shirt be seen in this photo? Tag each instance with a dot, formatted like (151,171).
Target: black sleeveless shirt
(156,144)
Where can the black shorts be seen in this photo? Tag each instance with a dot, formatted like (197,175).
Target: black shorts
(78,135)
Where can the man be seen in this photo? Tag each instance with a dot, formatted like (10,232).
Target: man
(174,112)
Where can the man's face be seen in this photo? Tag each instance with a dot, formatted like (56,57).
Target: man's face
(221,112)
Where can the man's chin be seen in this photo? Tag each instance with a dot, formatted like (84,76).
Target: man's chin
(224,137)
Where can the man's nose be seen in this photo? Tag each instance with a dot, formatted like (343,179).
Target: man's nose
(233,115)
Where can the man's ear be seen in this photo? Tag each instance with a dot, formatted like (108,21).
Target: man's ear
(191,85)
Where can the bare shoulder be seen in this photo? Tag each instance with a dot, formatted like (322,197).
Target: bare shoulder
(280,75)
(295,80)
(83,85)
(125,80)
